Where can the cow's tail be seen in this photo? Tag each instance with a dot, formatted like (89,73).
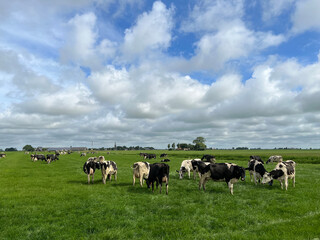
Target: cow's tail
(135,166)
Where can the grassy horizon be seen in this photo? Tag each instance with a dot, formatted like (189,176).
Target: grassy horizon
(54,201)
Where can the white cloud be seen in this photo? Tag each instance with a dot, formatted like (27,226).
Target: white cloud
(274,8)
(307,16)
(151,32)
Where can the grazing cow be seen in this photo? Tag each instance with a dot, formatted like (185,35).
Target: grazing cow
(186,166)
(36,157)
(250,167)
(150,156)
(165,160)
(108,168)
(159,172)
(83,154)
(3,155)
(89,168)
(208,158)
(141,171)
(275,158)
(163,155)
(282,172)
(228,172)
(52,157)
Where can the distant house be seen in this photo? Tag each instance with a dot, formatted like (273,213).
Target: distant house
(78,148)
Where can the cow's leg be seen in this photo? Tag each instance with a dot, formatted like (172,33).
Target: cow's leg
(281,183)
(116,176)
(255,178)
(92,177)
(286,183)
(88,178)
(294,181)
(160,187)
(201,182)
(204,183)
(134,180)
(194,174)
(189,173)
(153,186)
(104,180)
(230,185)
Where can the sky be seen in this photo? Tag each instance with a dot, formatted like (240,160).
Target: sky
(240,73)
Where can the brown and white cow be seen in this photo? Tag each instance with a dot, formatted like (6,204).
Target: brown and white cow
(141,171)
(282,172)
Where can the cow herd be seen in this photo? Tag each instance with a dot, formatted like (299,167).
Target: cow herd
(206,168)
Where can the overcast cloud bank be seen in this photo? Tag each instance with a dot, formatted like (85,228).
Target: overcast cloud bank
(73,73)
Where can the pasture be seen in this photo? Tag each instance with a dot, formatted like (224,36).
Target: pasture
(54,201)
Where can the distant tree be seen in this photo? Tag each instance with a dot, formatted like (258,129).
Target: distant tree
(173,146)
(199,140)
(169,146)
(28,148)
(11,149)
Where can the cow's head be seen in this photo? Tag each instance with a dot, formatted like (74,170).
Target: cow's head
(267,178)
(181,172)
(242,173)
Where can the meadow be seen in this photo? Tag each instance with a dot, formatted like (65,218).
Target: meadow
(54,201)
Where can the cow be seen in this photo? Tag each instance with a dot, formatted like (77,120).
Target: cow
(159,172)
(208,158)
(165,160)
(186,166)
(228,172)
(282,172)
(83,154)
(252,162)
(163,155)
(258,171)
(150,156)
(3,155)
(52,157)
(141,171)
(275,158)
(36,157)
(256,158)
(89,168)
(198,164)
(108,168)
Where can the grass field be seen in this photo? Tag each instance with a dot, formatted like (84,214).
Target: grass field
(41,201)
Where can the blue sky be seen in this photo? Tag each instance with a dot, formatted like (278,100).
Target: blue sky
(137,72)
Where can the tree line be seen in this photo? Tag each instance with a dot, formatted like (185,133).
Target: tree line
(198,144)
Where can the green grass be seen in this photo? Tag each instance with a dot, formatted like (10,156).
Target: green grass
(41,201)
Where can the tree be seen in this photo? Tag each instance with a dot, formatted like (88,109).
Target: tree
(28,148)
(11,149)
(173,146)
(169,146)
(199,140)
(199,143)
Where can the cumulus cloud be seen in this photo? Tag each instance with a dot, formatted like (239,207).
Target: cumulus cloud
(151,32)
(306,16)
(225,35)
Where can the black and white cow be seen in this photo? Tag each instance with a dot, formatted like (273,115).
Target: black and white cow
(52,157)
(108,168)
(165,160)
(159,173)
(228,172)
(251,168)
(282,172)
(196,165)
(275,158)
(3,155)
(141,171)
(150,156)
(208,158)
(163,155)
(186,166)
(36,157)
(89,168)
